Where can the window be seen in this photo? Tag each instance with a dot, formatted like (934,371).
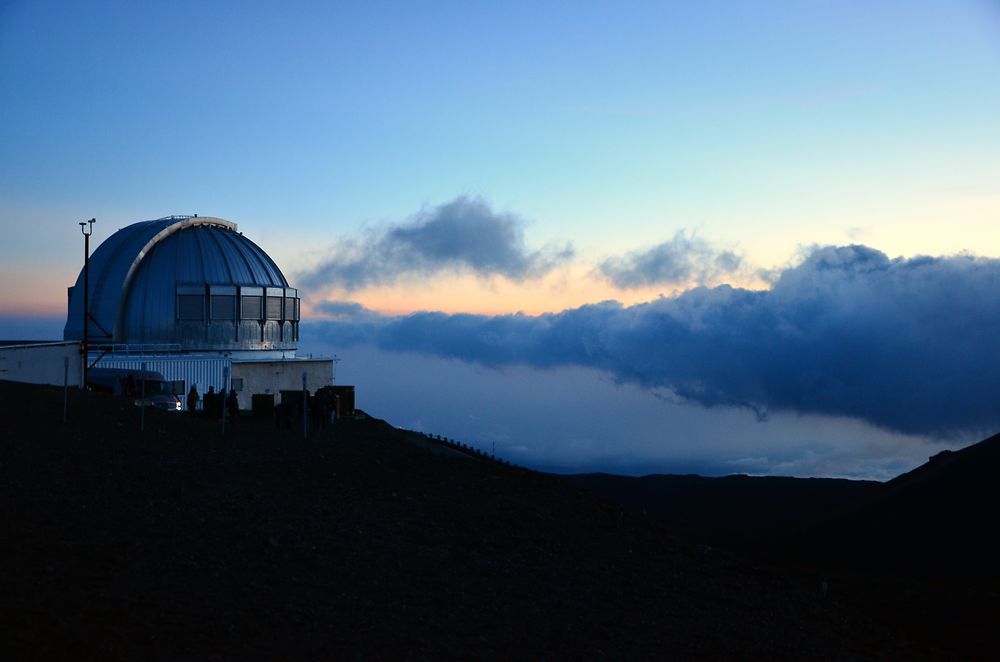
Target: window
(223,306)
(290,308)
(190,306)
(274,308)
(251,307)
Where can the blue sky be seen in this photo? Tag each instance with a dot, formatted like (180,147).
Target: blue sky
(606,151)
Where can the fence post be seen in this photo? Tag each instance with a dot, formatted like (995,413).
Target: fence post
(65,385)
(142,399)
(305,406)
(224,395)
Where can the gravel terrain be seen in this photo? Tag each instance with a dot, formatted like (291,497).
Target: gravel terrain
(180,542)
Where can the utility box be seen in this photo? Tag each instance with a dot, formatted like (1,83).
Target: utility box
(333,402)
(343,398)
(262,405)
(292,399)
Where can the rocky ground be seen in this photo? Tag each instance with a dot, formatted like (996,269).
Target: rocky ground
(180,542)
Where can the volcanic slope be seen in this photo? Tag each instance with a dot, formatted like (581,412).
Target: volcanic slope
(736,511)
(923,549)
(937,520)
(180,542)
(919,552)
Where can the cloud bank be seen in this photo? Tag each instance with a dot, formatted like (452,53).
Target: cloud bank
(677,261)
(463,235)
(910,345)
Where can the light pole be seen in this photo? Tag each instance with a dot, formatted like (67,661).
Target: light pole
(87,228)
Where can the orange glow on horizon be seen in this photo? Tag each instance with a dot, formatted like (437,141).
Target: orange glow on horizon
(20,301)
(567,289)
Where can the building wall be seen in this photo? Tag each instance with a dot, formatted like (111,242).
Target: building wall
(267,376)
(203,371)
(42,363)
(277,376)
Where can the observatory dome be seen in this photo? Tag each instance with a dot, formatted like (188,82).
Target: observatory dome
(188,281)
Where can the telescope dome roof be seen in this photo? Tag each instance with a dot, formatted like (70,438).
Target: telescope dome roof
(145,279)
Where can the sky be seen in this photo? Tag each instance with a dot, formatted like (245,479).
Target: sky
(715,237)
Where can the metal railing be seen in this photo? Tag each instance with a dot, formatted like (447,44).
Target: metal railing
(466,449)
(140,349)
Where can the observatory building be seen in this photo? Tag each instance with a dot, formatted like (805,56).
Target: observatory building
(189,297)
(193,283)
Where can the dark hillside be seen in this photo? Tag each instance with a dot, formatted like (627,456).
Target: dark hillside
(925,547)
(734,511)
(181,543)
(937,520)
(922,550)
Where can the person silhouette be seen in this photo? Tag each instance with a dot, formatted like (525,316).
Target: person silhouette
(209,404)
(233,405)
(192,399)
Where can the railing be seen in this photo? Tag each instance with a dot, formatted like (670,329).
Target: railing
(466,449)
(140,349)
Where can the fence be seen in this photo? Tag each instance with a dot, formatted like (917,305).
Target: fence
(466,449)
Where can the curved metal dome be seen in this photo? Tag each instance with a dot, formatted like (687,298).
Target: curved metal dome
(185,280)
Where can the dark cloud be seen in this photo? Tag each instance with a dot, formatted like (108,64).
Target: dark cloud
(461,235)
(345,310)
(911,345)
(678,261)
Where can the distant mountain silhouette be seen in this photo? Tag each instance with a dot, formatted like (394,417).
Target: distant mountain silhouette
(734,511)
(936,520)
(939,519)
(921,550)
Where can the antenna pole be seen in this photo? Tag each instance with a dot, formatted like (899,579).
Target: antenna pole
(87,228)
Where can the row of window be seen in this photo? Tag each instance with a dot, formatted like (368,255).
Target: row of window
(223,307)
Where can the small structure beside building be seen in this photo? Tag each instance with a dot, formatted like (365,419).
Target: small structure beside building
(41,363)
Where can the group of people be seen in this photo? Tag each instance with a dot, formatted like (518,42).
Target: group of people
(212,403)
